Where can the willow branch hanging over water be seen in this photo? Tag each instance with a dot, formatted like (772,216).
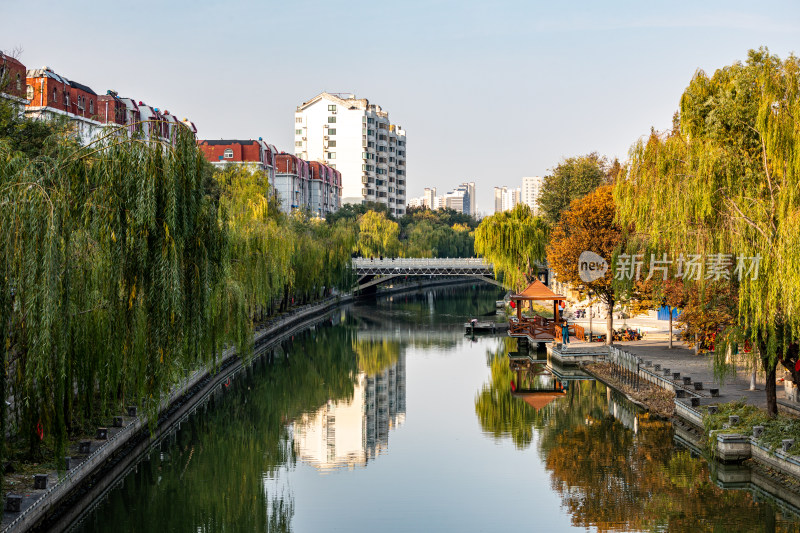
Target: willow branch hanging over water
(114,279)
(514,242)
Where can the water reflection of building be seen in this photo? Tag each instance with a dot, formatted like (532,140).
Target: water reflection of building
(349,433)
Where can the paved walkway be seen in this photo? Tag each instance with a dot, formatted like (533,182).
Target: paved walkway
(683,359)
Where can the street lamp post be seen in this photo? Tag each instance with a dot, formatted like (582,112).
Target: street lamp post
(590,315)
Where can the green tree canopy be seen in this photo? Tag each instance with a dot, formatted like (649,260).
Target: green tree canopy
(378,235)
(514,242)
(572,178)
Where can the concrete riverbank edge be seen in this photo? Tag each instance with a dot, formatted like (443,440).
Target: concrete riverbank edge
(73,492)
(775,473)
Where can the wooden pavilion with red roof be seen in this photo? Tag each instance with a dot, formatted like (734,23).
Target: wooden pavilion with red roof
(536,328)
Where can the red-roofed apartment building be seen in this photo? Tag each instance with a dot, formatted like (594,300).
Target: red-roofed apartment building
(51,95)
(291,182)
(258,155)
(324,189)
(13,80)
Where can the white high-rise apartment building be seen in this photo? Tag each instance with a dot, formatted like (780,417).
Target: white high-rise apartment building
(531,189)
(357,139)
(505,198)
(428,196)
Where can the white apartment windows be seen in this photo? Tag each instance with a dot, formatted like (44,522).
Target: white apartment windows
(55,95)
(331,144)
(298,143)
(332,107)
(91,107)
(370,132)
(381,148)
(370,121)
(228,154)
(331,131)
(333,166)
(331,120)
(30,92)
(66,98)
(331,155)
(298,132)
(370,144)
(298,120)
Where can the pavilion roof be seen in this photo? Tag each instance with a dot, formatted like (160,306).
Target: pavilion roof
(537,400)
(537,291)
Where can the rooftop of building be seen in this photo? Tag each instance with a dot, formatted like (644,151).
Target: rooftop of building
(82,87)
(6,59)
(46,72)
(226,141)
(347,100)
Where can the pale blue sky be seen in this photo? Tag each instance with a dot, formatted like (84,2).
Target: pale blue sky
(487,92)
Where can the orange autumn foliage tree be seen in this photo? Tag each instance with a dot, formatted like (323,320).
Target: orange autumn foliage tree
(588,225)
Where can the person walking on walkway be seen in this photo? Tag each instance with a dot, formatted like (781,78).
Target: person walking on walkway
(565,332)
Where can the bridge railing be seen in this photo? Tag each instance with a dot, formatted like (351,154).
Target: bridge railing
(414,262)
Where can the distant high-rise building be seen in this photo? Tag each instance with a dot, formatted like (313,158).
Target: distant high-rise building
(505,198)
(428,197)
(531,189)
(356,138)
(473,204)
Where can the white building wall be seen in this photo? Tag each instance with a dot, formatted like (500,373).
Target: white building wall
(348,150)
(356,151)
(531,189)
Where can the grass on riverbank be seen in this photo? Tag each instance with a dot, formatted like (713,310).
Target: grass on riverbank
(784,426)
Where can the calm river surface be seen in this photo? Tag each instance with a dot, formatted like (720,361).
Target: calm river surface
(387,418)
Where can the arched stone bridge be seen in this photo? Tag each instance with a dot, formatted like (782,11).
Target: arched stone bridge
(375,271)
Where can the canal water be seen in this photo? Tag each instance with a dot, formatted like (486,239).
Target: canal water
(386,417)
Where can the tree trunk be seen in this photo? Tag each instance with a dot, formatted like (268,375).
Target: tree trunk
(610,323)
(770,388)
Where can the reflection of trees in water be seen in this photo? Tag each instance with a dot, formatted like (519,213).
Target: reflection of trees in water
(376,355)
(499,413)
(424,319)
(610,477)
(222,470)
(436,305)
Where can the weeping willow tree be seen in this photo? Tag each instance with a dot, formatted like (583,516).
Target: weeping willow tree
(322,257)
(115,280)
(514,242)
(260,241)
(726,180)
(378,235)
